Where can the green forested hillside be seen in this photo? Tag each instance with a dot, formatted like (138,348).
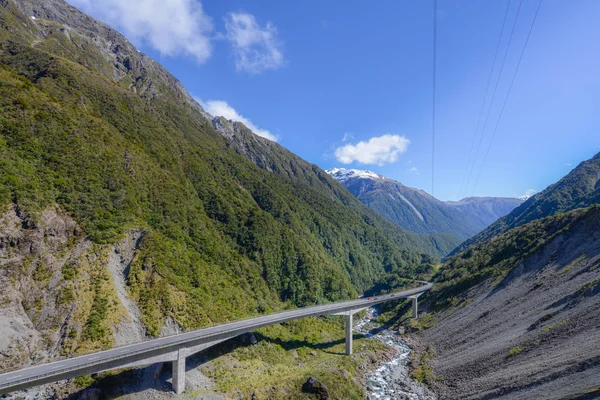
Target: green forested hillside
(495,258)
(89,124)
(578,189)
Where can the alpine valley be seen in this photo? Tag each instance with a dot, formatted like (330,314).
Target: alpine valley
(128,213)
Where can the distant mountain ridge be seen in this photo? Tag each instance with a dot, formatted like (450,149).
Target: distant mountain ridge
(418,211)
(580,188)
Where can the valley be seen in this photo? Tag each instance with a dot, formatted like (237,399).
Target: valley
(151,247)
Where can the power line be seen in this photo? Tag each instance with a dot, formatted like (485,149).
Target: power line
(508,93)
(434,91)
(487,90)
(487,117)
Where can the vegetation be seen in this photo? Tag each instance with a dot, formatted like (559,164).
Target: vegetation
(425,321)
(119,145)
(420,366)
(286,355)
(515,350)
(578,189)
(496,258)
(399,204)
(573,264)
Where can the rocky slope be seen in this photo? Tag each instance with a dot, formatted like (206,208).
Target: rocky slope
(579,188)
(514,313)
(420,212)
(47,264)
(516,317)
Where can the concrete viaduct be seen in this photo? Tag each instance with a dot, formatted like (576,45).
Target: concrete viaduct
(177,348)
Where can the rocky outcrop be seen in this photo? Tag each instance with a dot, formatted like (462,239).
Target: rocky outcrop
(53,279)
(130,329)
(316,387)
(110,52)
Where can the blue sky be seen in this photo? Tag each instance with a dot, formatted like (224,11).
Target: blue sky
(349,84)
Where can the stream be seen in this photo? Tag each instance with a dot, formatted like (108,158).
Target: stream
(391,381)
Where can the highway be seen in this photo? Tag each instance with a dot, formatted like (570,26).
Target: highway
(152,350)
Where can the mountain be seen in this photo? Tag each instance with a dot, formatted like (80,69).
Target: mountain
(127,210)
(418,211)
(580,188)
(525,300)
(521,296)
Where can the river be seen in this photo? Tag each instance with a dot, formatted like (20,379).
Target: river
(391,380)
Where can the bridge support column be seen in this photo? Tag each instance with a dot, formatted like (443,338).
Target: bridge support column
(178,380)
(415,307)
(349,333)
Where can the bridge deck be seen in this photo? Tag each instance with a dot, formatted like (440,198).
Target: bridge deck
(153,349)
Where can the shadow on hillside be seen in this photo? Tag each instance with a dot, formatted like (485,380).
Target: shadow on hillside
(137,381)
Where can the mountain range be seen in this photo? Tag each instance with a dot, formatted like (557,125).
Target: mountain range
(418,211)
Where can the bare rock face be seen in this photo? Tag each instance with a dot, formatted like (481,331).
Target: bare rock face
(52,278)
(32,307)
(315,386)
(130,329)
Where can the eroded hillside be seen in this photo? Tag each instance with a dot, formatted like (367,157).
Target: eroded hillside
(518,316)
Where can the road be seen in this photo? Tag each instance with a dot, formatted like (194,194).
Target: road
(121,356)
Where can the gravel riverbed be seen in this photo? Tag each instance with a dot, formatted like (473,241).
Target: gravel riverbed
(391,380)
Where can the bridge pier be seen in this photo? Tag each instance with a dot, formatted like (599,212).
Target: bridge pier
(178,380)
(349,333)
(415,307)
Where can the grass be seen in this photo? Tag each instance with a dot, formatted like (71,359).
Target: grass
(420,368)
(573,264)
(425,321)
(515,351)
(287,355)
(551,327)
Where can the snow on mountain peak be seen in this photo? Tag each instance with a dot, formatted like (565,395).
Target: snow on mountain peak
(527,194)
(343,174)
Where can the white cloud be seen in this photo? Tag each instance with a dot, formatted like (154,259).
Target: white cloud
(414,169)
(256,49)
(173,27)
(223,109)
(347,136)
(377,150)
(528,194)
(568,164)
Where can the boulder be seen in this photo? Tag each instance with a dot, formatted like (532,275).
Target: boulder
(315,386)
